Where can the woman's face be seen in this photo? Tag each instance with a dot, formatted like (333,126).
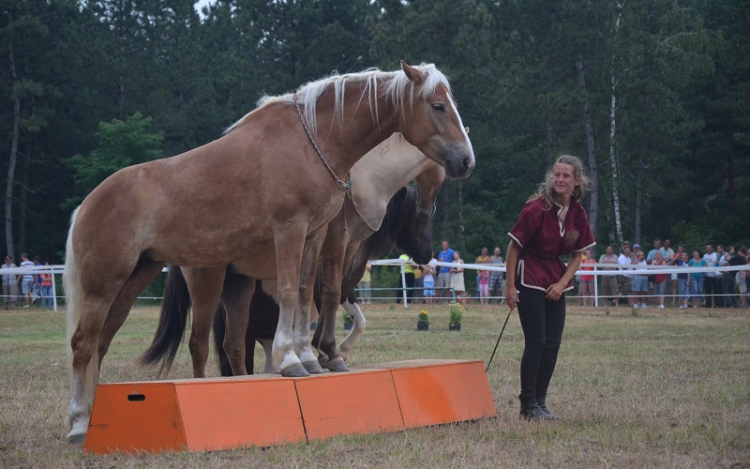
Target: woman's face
(696,255)
(564,179)
(657,256)
(456,255)
(684,256)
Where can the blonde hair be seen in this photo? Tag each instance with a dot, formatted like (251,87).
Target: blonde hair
(546,190)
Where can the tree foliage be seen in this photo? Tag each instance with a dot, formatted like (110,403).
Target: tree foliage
(681,68)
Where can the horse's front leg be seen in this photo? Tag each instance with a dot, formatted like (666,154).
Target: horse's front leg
(332,260)
(205,285)
(238,292)
(290,245)
(360,323)
(308,269)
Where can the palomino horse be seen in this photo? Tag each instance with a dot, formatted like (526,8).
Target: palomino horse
(275,207)
(382,172)
(402,226)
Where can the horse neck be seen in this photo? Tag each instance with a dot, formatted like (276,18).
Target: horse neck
(382,172)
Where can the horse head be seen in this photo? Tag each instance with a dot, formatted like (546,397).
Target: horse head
(431,122)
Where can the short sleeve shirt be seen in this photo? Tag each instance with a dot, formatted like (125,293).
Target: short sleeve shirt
(543,238)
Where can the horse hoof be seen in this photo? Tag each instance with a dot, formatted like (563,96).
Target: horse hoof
(295,370)
(76,438)
(312,367)
(337,366)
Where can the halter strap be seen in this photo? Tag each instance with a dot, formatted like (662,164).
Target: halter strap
(342,185)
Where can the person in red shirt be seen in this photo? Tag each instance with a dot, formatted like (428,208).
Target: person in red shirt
(553,223)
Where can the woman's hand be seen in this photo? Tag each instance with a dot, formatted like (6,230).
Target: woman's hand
(512,297)
(555,291)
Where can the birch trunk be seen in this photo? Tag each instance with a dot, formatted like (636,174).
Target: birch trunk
(594,200)
(10,180)
(613,129)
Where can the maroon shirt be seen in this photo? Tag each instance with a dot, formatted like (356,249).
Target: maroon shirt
(542,239)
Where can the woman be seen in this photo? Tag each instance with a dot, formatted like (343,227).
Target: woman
(552,223)
(429,280)
(483,277)
(46,289)
(640,282)
(586,284)
(682,279)
(660,280)
(457,278)
(695,279)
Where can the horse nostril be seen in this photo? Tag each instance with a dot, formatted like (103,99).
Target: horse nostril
(467,163)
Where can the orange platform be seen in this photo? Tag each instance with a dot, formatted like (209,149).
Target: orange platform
(264,410)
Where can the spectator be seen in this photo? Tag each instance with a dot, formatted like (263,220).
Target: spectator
(668,251)
(586,282)
(408,277)
(696,279)
(741,260)
(737,259)
(682,279)
(496,287)
(483,277)
(364,285)
(35,294)
(10,285)
(27,280)
(660,281)
(640,281)
(429,280)
(652,253)
(625,280)
(444,273)
(636,250)
(675,279)
(610,288)
(709,284)
(719,276)
(46,288)
(457,278)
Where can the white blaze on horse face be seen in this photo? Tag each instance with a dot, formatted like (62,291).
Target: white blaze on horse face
(463,129)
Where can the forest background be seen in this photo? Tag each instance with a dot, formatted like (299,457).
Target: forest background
(653,95)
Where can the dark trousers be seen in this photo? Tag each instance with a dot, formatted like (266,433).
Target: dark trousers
(542,321)
(728,290)
(709,290)
(718,285)
(409,277)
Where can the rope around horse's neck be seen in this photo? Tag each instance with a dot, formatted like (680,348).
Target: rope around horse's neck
(343,185)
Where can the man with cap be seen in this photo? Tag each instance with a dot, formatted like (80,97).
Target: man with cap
(10,285)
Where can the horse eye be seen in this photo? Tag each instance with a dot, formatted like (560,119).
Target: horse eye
(438,107)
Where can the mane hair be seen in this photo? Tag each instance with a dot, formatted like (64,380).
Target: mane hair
(396,86)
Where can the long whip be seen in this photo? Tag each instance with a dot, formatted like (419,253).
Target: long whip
(498,341)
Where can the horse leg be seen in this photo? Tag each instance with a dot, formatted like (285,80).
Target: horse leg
(334,250)
(290,246)
(236,296)
(359,327)
(144,273)
(205,286)
(302,344)
(268,350)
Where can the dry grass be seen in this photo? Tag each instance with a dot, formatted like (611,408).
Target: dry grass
(664,388)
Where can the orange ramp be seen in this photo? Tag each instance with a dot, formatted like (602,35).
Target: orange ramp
(264,410)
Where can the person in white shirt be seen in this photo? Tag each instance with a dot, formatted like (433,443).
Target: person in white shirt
(625,280)
(709,285)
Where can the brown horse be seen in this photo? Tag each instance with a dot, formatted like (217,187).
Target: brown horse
(277,202)
(382,172)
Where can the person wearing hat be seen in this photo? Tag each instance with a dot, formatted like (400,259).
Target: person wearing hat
(10,287)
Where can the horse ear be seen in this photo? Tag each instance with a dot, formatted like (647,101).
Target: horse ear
(467,130)
(412,73)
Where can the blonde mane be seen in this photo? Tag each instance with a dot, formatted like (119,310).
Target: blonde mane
(396,86)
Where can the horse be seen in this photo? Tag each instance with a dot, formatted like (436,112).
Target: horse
(282,188)
(382,171)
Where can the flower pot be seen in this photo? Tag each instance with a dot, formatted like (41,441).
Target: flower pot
(348,325)
(454,327)
(422,326)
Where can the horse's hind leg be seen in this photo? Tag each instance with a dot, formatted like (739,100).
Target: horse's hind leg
(334,250)
(144,273)
(236,297)
(205,286)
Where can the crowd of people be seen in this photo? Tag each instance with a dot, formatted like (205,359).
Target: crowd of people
(29,288)
(710,289)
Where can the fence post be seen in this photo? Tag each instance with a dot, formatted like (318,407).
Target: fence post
(596,286)
(54,291)
(403,282)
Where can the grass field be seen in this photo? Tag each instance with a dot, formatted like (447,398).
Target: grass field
(664,388)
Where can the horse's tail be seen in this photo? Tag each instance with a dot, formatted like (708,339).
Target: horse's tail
(219,327)
(175,309)
(74,305)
